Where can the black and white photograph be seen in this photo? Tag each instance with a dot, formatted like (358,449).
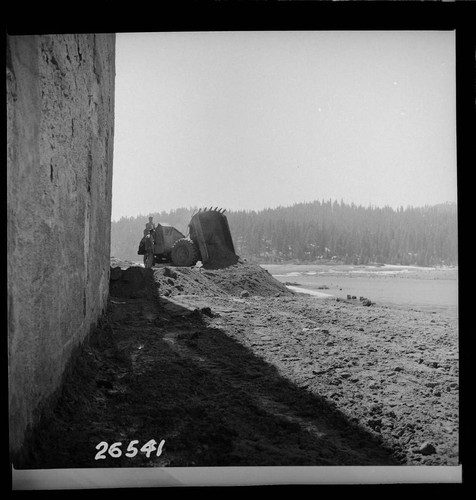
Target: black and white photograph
(230,252)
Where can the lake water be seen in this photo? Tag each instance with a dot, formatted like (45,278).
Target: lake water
(433,289)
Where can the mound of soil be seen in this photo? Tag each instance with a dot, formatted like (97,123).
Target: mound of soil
(246,277)
(171,281)
(230,368)
(232,280)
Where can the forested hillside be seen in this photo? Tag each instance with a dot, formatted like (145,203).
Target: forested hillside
(322,230)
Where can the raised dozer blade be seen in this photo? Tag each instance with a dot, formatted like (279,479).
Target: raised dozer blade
(209,229)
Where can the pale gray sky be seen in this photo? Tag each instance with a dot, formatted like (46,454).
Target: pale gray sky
(253,120)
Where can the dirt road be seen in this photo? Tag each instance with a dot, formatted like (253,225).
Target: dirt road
(229,367)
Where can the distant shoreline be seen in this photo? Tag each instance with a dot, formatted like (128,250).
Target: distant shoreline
(374,268)
(330,262)
(397,270)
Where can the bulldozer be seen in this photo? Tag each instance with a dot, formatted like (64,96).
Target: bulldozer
(209,241)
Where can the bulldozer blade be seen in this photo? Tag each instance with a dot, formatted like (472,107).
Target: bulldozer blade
(210,231)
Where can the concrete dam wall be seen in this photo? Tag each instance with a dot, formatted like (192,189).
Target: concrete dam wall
(60,130)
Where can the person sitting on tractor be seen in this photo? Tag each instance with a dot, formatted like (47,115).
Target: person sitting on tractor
(150,226)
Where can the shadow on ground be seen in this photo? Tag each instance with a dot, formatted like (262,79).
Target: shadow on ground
(154,371)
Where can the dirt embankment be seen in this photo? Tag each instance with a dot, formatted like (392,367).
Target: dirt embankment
(229,367)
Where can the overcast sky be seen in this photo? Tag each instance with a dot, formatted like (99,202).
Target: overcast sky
(253,120)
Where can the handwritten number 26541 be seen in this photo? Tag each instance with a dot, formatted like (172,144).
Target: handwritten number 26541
(115,449)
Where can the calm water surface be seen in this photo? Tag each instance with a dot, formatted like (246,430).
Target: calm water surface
(434,289)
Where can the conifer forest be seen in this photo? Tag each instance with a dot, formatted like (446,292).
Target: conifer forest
(321,231)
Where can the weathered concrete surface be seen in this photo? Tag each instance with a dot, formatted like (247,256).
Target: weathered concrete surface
(60,127)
